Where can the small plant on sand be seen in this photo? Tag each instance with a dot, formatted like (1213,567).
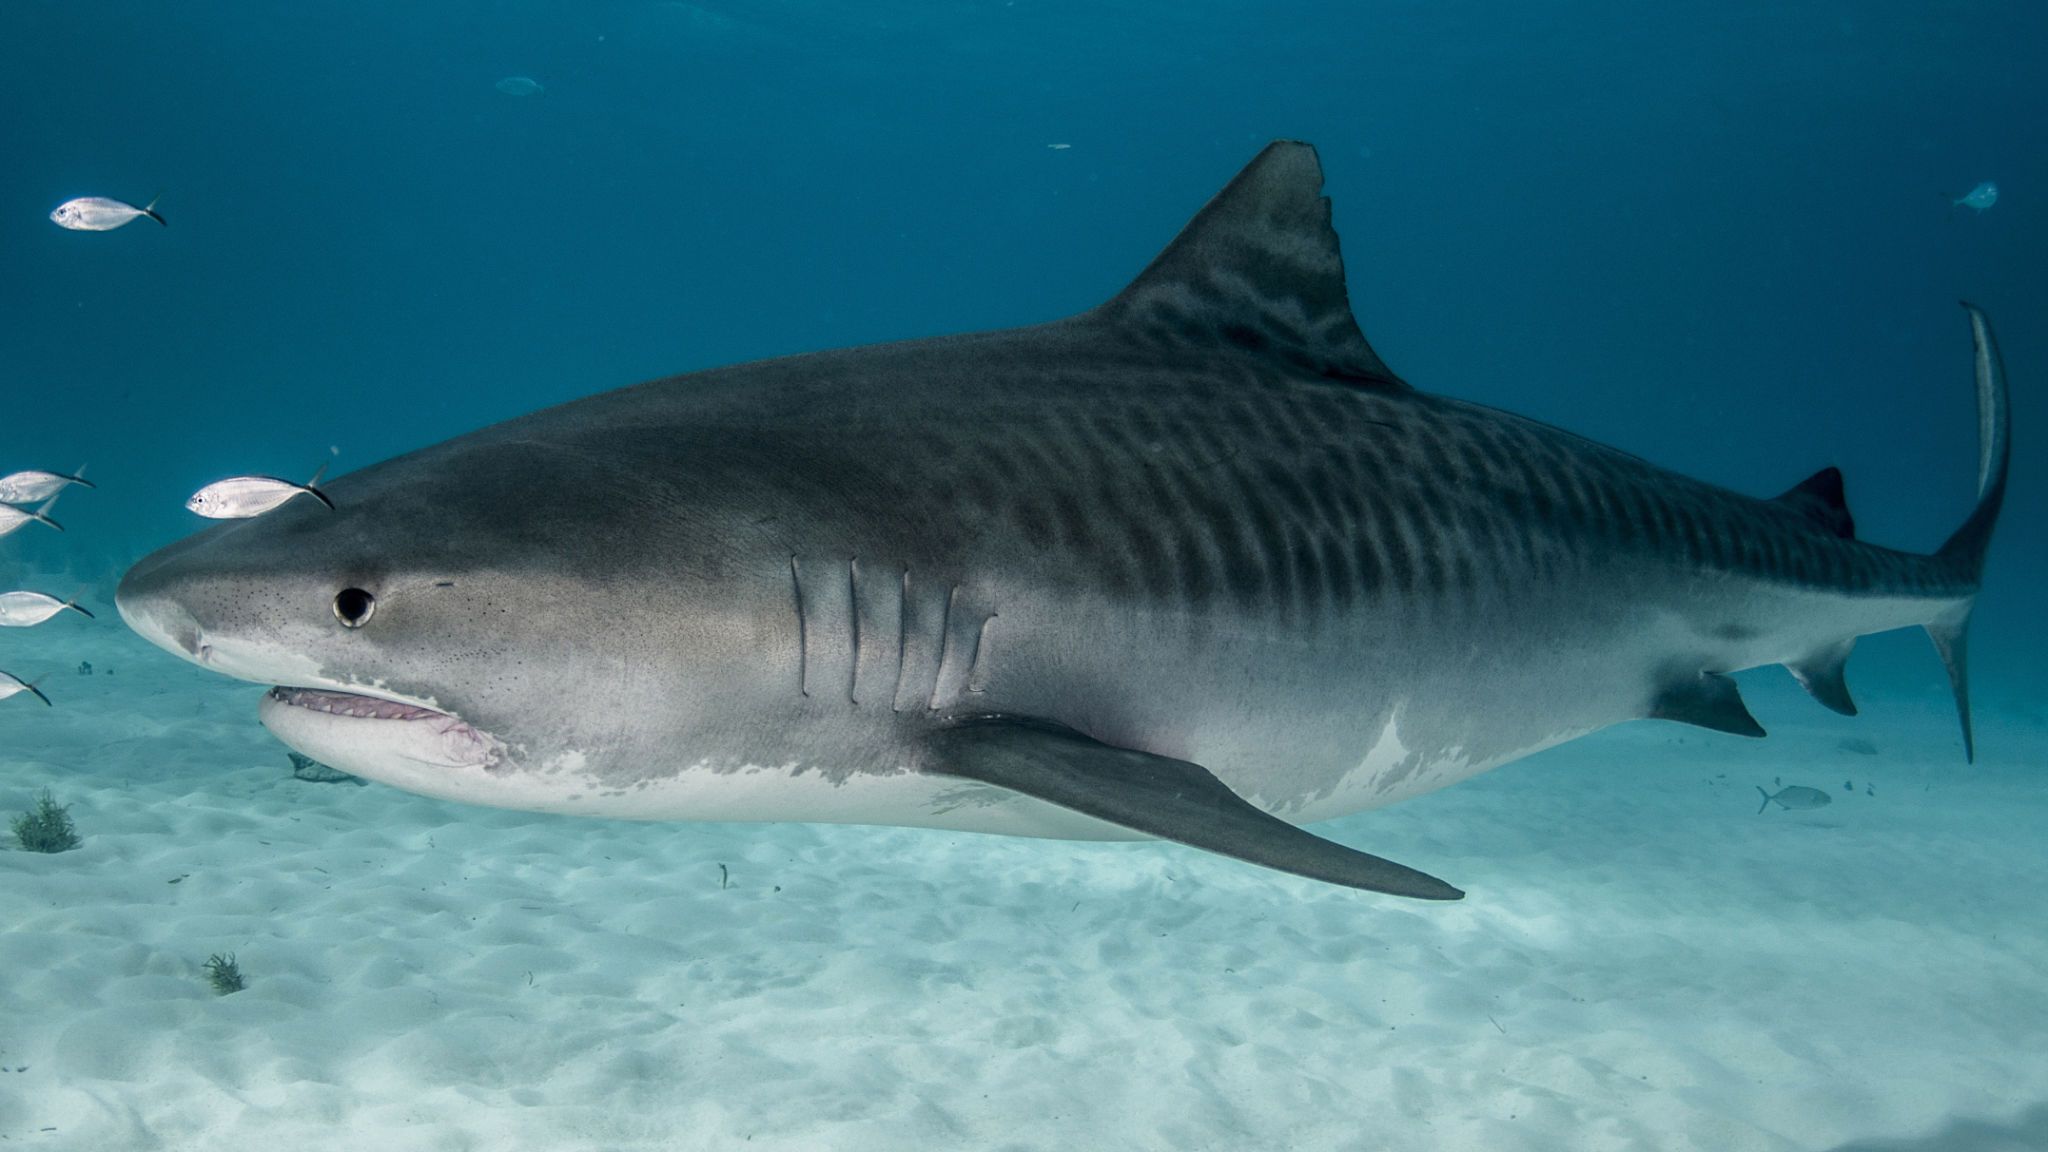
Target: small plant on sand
(223,973)
(47,827)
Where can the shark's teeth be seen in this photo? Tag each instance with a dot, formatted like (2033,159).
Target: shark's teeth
(357,707)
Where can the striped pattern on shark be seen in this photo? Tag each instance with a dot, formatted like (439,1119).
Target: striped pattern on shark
(1195,565)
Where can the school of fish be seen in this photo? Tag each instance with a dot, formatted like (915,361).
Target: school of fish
(26,498)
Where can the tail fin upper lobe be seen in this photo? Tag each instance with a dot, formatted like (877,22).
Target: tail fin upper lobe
(1966,548)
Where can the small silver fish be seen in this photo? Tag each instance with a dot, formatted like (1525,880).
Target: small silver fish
(12,685)
(12,518)
(27,609)
(35,484)
(240,497)
(99,214)
(1980,198)
(519,86)
(1795,798)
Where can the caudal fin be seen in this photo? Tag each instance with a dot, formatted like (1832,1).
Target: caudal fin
(41,514)
(1966,548)
(150,211)
(312,487)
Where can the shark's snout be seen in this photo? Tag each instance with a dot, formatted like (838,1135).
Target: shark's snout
(149,604)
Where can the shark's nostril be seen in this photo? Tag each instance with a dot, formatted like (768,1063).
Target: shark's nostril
(183,632)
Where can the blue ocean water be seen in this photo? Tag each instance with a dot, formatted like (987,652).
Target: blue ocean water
(1717,235)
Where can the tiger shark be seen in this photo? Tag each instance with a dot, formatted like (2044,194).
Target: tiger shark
(1193,565)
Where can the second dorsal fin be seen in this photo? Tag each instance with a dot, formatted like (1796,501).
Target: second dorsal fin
(1258,270)
(1820,499)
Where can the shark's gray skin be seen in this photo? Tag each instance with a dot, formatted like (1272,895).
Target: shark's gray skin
(1194,564)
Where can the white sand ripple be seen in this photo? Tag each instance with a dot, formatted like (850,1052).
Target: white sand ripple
(1644,962)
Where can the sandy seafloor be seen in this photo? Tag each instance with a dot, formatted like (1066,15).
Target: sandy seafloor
(1644,962)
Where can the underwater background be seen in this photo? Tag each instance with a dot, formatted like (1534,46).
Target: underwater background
(1718,235)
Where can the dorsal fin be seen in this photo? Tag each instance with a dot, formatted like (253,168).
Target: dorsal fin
(1820,499)
(1258,269)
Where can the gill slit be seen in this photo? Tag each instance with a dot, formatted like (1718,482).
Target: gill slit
(945,646)
(980,647)
(803,662)
(853,612)
(902,640)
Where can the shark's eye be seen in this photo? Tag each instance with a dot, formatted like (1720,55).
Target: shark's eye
(353,607)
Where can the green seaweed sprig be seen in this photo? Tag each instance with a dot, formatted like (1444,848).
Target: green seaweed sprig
(223,974)
(47,827)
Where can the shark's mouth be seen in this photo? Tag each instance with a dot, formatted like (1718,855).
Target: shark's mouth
(357,733)
(356,707)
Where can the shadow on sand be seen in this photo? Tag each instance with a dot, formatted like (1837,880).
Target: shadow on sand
(2026,1133)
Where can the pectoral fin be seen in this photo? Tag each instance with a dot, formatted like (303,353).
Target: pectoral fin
(1171,799)
(1709,700)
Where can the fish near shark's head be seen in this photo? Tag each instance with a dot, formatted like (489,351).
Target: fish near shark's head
(447,628)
